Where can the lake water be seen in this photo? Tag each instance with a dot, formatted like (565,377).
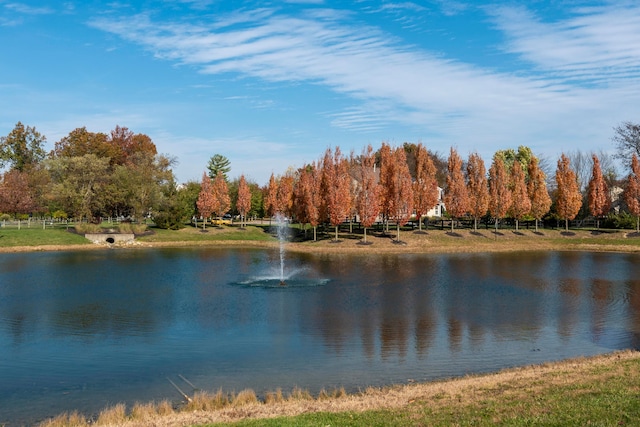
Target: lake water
(85,330)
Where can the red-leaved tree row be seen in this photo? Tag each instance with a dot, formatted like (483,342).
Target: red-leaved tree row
(378,186)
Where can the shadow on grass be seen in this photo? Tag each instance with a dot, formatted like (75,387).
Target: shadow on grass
(538,233)
(634,234)
(497,233)
(477,233)
(518,233)
(399,242)
(420,232)
(453,234)
(363,243)
(567,233)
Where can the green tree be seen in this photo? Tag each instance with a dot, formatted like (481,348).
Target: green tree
(219,163)
(144,179)
(79,183)
(22,148)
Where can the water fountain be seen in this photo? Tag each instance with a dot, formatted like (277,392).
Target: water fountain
(282,275)
(283,228)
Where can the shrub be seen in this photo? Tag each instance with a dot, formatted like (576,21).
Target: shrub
(168,220)
(85,227)
(127,227)
(621,221)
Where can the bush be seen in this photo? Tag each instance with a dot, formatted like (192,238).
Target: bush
(623,220)
(85,227)
(168,220)
(127,227)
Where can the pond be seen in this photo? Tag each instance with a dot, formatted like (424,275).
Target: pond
(85,330)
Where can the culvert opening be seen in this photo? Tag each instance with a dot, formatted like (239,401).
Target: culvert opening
(110,240)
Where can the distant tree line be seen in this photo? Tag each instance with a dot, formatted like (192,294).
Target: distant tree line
(91,175)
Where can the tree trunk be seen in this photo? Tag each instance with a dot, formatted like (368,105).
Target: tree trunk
(314,233)
(566,224)
(365,234)
(398,232)
(336,233)
(452,224)
(516,225)
(536,225)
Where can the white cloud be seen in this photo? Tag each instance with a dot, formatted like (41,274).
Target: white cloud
(441,99)
(597,45)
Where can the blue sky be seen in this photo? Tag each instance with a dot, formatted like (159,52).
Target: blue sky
(274,84)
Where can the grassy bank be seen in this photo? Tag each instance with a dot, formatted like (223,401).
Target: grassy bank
(409,241)
(599,391)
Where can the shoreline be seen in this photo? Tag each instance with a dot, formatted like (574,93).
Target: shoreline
(428,242)
(446,395)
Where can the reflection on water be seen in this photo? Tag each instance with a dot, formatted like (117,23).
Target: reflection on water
(85,330)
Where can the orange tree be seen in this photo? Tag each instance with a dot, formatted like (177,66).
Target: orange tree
(477,188)
(569,198)
(598,192)
(456,197)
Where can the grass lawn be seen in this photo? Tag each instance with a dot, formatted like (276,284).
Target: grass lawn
(12,237)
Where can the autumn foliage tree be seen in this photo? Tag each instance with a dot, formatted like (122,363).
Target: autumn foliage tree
(221,199)
(243,203)
(205,202)
(569,198)
(500,196)
(386,183)
(456,197)
(336,185)
(367,190)
(307,197)
(284,195)
(632,191)
(270,198)
(15,195)
(477,188)
(537,191)
(402,193)
(425,186)
(521,205)
(598,192)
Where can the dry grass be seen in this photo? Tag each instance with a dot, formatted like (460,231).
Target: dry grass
(73,419)
(114,415)
(511,385)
